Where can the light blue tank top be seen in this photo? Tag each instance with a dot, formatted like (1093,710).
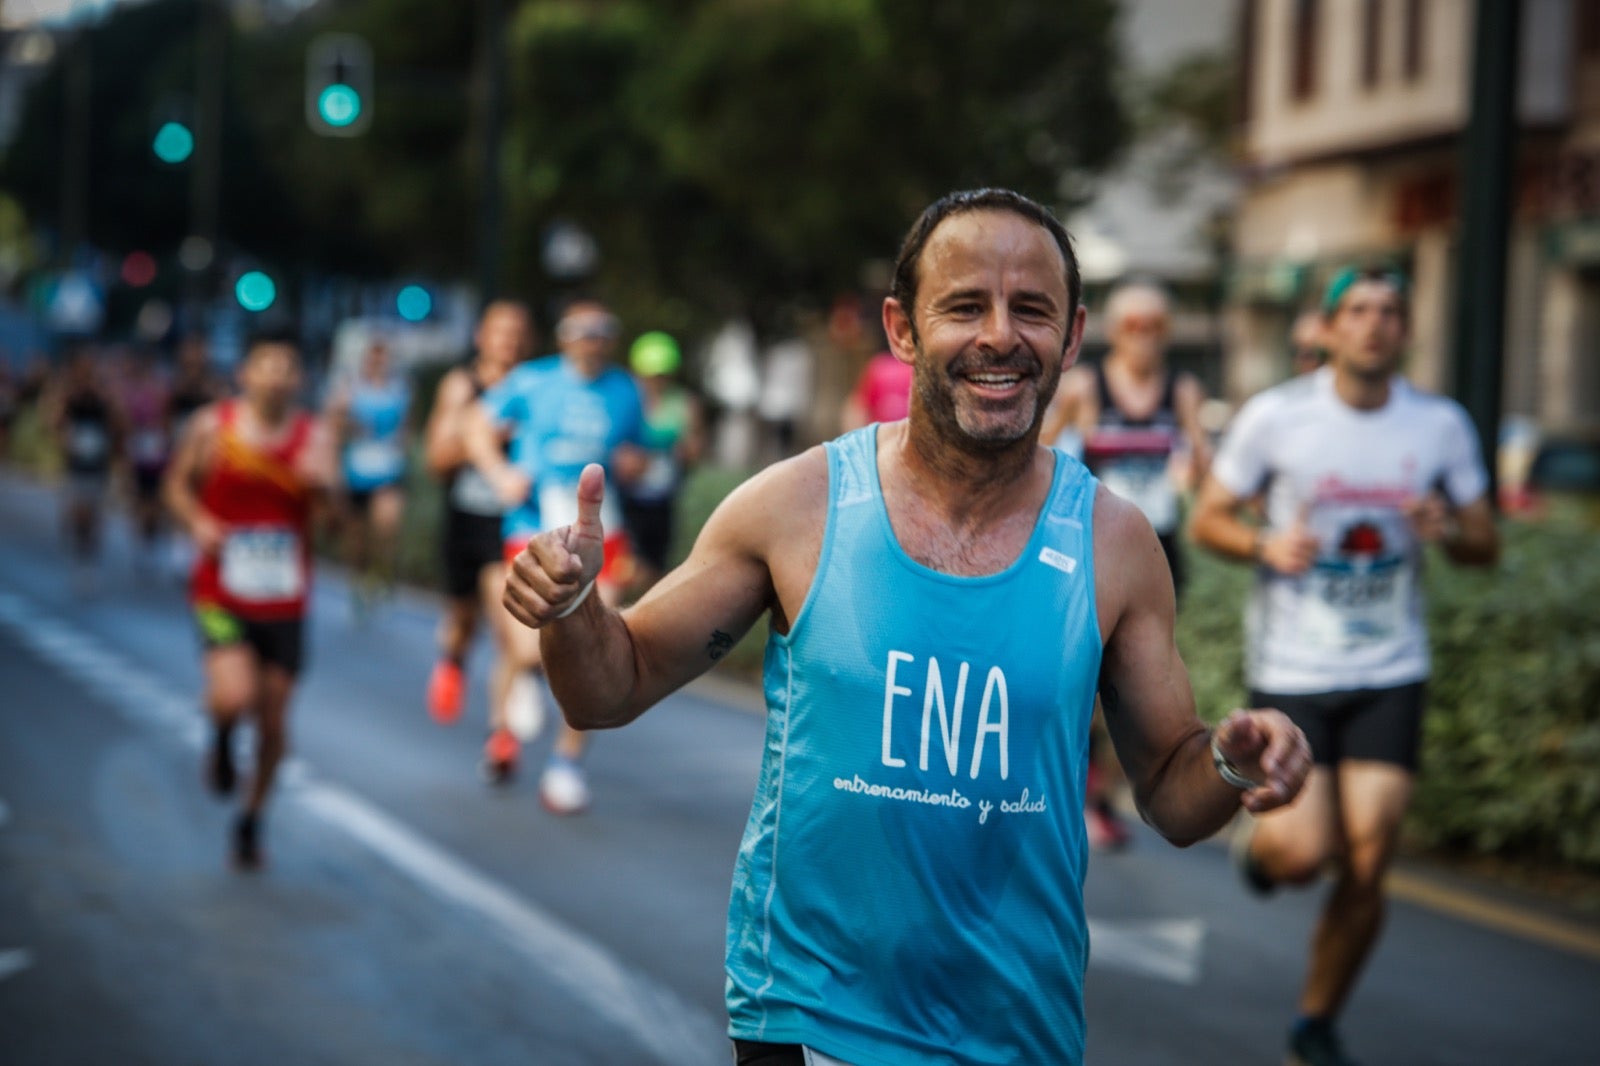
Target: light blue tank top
(375,455)
(910,884)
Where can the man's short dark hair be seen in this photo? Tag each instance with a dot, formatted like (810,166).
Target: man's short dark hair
(908,264)
(272,333)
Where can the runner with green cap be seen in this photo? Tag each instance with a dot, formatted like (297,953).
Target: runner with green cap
(1357,471)
(674,437)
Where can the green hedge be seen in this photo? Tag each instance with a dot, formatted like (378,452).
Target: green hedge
(1511,759)
(1512,740)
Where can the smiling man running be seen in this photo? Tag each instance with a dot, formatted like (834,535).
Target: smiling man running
(945,597)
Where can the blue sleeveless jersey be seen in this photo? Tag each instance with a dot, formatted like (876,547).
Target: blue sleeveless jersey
(910,884)
(561,422)
(375,456)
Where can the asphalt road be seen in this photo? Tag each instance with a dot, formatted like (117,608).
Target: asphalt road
(412,915)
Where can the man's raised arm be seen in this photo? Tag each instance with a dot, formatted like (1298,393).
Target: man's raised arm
(608,667)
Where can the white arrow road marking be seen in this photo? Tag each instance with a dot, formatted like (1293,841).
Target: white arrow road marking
(1168,948)
(13,961)
(652,1014)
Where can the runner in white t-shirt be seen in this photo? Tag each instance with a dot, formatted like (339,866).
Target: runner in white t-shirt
(1357,471)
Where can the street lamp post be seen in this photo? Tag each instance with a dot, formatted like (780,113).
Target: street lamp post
(1486,162)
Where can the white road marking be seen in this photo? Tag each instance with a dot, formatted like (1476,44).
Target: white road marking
(13,961)
(1169,949)
(651,1014)
(5,814)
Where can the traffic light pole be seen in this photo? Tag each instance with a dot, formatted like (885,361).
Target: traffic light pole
(75,133)
(492,101)
(205,179)
(1486,167)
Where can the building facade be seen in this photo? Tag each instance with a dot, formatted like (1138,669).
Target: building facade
(1352,114)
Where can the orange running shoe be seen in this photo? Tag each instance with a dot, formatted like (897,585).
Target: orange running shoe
(447,690)
(500,757)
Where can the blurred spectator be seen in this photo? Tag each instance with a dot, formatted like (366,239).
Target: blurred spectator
(143,396)
(882,393)
(9,404)
(1306,352)
(733,382)
(88,426)
(194,383)
(785,398)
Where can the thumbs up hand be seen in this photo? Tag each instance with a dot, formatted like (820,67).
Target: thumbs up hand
(1293,549)
(553,575)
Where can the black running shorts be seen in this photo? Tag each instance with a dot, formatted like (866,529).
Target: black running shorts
(754,1053)
(280,642)
(649,525)
(470,543)
(1377,724)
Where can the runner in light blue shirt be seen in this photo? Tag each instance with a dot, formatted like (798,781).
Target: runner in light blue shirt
(369,412)
(563,412)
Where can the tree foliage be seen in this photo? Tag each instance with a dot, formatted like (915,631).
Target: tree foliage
(728,155)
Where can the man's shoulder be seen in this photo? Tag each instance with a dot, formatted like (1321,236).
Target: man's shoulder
(1419,402)
(777,507)
(619,381)
(1287,403)
(527,375)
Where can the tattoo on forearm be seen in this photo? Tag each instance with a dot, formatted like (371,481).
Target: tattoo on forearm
(719,645)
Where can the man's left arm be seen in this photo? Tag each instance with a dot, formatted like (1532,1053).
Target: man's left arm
(1180,770)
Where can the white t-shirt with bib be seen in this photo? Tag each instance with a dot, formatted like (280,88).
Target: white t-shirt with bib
(1354,620)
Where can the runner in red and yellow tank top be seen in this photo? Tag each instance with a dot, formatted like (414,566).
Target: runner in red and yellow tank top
(245,481)
(255,491)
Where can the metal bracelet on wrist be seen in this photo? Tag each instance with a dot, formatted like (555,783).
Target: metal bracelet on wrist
(1229,772)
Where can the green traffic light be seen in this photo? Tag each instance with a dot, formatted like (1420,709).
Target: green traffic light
(339,105)
(255,291)
(174,143)
(414,303)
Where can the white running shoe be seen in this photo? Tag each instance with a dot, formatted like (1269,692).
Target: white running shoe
(562,788)
(525,707)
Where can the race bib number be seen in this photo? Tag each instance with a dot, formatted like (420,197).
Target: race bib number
(1348,607)
(1143,481)
(558,506)
(89,442)
(376,460)
(473,494)
(262,565)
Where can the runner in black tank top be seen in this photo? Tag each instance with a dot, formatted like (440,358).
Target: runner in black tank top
(1132,457)
(88,426)
(472,547)
(472,514)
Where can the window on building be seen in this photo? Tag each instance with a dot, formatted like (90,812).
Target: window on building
(1244,105)
(1416,31)
(1303,73)
(1371,41)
